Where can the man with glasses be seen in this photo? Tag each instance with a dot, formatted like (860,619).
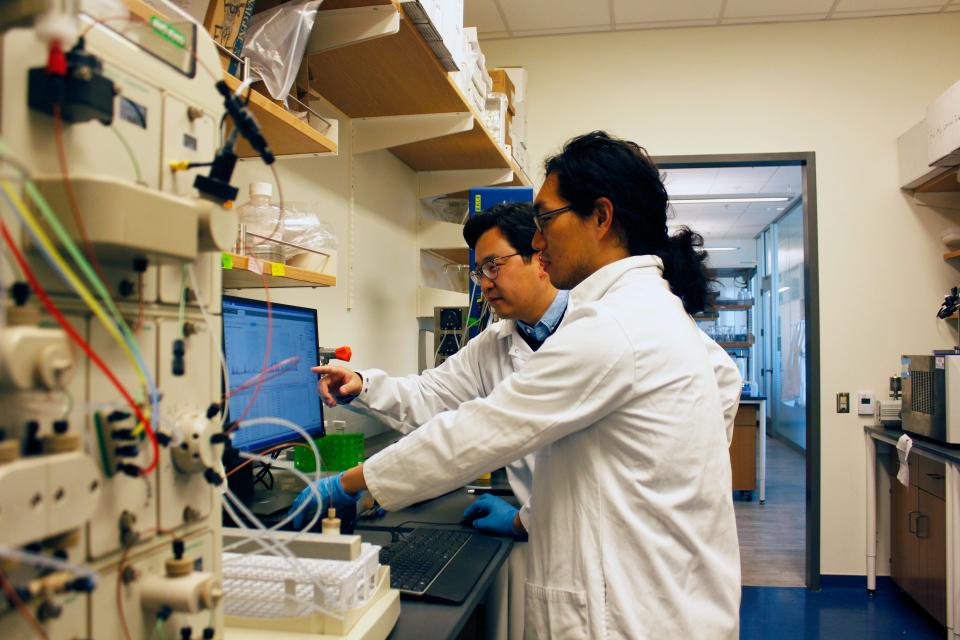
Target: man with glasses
(529,308)
(632,529)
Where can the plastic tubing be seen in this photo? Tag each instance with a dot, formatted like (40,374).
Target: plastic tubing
(88,271)
(47,562)
(303,505)
(98,286)
(316,473)
(76,337)
(279,549)
(53,256)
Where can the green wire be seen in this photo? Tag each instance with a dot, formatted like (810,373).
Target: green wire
(102,442)
(183,300)
(80,260)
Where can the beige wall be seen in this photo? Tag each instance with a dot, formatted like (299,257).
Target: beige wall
(381,277)
(844,90)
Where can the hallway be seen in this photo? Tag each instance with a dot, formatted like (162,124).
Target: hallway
(772,536)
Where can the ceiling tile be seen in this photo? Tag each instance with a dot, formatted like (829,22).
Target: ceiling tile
(884,12)
(798,17)
(875,5)
(525,15)
(556,31)
(785,180)
(631,11)
(757,8)
(483,15)
(672,24)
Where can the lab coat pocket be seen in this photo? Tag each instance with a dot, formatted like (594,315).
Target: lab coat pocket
(555,613)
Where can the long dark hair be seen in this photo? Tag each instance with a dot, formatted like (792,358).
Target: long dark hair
(598,165)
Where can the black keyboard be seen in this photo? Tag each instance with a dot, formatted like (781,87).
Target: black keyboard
(438,564)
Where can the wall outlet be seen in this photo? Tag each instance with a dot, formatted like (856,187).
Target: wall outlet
(843,402)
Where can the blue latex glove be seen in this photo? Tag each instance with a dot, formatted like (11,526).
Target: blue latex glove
(491,514)
(332,494)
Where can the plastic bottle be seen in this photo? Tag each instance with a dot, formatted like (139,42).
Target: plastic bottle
(264,219)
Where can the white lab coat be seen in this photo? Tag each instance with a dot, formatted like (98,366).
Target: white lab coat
(633,532)
(405,403)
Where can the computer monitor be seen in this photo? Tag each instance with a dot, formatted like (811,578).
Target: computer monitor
(290,390)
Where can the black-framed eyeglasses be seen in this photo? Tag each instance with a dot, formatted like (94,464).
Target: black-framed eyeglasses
(540,218)
(490,268)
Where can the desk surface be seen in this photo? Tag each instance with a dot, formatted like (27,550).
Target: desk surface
(418,619)
(890,436)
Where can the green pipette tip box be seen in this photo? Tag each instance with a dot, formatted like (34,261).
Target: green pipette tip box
(338,452)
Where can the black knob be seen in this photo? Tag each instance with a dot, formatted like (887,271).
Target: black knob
(127,451)
(218,438)
(131,470)
(186,632)
(126,288)
(208,633)
(123,434)
(178,548)
(3,434)
(60,427)
(212,477)
(20,291)
(139,265)
(179,365)
(213,410)
(117,416)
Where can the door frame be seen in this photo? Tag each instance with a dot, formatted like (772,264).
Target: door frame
(806,159)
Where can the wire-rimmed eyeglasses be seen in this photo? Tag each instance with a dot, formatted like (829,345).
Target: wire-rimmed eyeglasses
(490,268)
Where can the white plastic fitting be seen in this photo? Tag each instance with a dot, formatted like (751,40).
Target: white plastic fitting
(35,358)
(194,452)
(191,593)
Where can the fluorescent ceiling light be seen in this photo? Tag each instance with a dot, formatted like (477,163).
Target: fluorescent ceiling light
(721,248)
(728,200)
(782,289)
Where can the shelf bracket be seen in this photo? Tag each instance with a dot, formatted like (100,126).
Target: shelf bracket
(439,183)
(385,132)
(342,27)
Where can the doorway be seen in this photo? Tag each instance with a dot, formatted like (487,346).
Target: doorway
(767,319)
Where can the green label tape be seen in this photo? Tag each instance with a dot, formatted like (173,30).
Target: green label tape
(226,260)
(168,32)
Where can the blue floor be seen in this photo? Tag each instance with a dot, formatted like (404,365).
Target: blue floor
(842,612)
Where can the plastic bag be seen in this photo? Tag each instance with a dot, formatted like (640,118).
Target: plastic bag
(303,227)
(276,41)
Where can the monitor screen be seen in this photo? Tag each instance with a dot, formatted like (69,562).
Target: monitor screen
(289,389)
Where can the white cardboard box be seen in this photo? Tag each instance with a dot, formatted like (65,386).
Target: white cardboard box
(943,128)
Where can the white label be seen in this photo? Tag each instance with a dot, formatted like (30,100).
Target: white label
(938,362)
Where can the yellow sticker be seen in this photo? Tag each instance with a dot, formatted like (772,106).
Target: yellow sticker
(278,269)
(226,260)
(476,204)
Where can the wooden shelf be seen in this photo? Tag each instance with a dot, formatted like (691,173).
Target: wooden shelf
(732,272)
(287,134)
(951,255)
(944,183)
(457,256)
(239,275)
(741,305)
(737,345)
(399,75)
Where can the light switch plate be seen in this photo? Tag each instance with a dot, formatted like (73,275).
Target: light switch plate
(843,402)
